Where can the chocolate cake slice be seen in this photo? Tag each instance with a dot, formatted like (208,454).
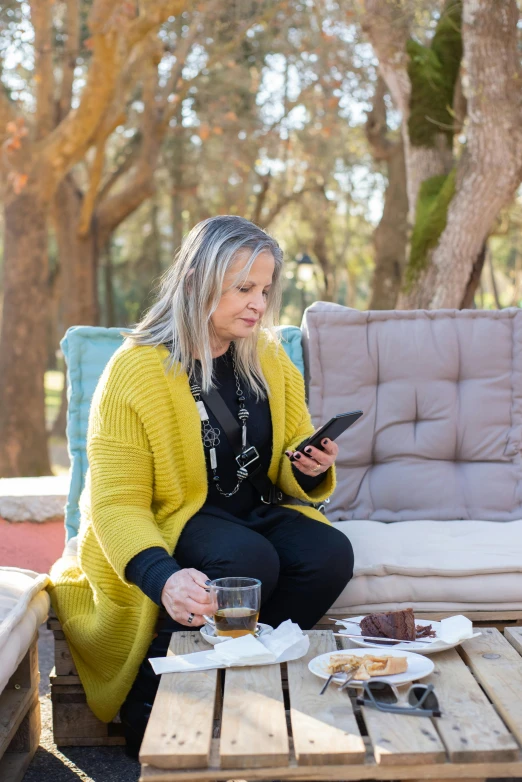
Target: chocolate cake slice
(394,624)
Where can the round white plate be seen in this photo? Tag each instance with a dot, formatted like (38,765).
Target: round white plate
(418,666)
(208,633)
(434,645)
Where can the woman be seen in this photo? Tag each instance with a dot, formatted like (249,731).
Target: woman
(165,509)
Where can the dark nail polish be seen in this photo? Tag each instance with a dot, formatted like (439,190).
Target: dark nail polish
(308,450)
(325,442)
(208,581)
(292,458)
(297,456)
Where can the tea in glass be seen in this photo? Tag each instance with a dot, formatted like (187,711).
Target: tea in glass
(237,601)
(235,622)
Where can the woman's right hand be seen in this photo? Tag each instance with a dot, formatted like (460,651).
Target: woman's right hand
(185,593)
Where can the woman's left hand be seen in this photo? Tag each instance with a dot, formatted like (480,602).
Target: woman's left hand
(314,461)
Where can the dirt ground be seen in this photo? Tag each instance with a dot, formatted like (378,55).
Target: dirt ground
(70,764)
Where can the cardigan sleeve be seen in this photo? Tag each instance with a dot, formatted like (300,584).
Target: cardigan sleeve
(121,476)
(150,570)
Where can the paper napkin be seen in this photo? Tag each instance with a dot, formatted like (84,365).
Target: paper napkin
(455,629)
(287,642)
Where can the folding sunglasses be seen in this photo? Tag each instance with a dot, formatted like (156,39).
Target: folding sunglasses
(421,699)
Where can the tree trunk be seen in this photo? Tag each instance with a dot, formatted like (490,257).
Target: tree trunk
(390,236)
(110,310)
(468,301)
(322,255)
(78,258)
(490,168)
(23,341)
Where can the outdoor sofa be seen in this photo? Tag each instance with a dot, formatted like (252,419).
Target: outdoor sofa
(429,479)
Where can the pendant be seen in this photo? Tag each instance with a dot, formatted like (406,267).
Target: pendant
(211,437)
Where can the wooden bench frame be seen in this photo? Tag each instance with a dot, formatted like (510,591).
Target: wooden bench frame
(75,725)
(20,723)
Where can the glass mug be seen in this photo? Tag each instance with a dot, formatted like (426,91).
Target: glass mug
(237,601)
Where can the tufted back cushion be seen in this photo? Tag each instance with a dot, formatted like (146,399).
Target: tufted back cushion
(441,393)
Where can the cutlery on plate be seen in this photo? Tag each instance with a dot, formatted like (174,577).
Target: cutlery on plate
(345,684)
(349,676)
(326,684)
(383,641)
(343,620)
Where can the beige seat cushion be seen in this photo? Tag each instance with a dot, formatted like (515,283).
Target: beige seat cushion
(433,565)
(24,606)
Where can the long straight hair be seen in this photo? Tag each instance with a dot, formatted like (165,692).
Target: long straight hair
(190,292)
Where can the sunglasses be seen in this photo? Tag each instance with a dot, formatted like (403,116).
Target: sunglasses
(419,701)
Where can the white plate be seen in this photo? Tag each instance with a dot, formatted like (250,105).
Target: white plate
(434,645)
(418,666)
(208,633)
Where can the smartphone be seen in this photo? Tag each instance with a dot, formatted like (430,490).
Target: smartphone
(335,426)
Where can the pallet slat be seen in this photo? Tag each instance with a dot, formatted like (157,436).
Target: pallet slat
(399,739)
(324,727)
(498,667)
(514,636)
(253,724)
(369,771)
(63,660)
(20,723)
(470,727)
(179,732)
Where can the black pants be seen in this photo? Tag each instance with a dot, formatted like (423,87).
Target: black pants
(303,565)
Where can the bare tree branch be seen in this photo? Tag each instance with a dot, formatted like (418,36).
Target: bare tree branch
(140,185)
(131,154)
(44,75)
(376,125)
(113,44)
(72,46)
(7,113)
(387,24)
(288,199)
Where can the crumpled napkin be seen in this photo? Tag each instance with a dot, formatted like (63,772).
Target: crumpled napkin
(287,642)
(455,629)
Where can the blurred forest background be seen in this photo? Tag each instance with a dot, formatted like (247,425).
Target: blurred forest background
(380,142)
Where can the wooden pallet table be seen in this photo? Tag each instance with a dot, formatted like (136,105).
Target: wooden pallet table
(20,718)
(244,723)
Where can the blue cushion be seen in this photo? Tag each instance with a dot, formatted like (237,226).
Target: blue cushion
(87,349)
(291,339)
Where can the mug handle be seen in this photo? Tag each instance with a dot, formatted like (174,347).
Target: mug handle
(209,620)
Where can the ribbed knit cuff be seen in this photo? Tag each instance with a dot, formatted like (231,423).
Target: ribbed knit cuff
(150,570)
(308,482)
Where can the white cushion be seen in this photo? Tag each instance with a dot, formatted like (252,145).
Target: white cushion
(24,606)
(433,565)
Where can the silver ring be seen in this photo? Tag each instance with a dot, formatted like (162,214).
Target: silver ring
(190,618)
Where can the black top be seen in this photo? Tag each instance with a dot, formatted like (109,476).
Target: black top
(150,569)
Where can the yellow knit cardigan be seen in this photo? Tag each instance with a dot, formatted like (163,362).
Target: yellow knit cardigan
(147,478)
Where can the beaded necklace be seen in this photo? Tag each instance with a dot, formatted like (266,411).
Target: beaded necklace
(211,435)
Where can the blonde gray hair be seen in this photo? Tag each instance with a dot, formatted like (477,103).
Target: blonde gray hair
(190,292)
